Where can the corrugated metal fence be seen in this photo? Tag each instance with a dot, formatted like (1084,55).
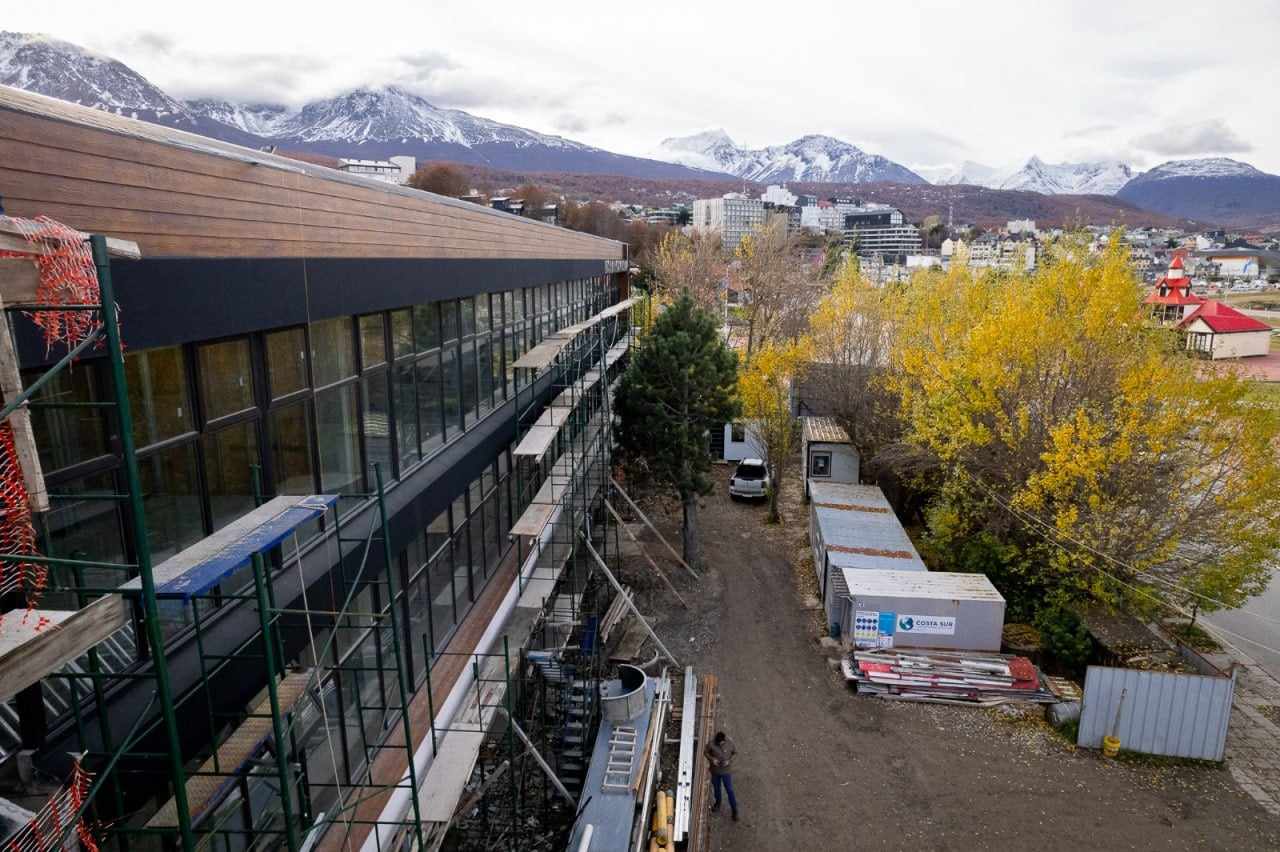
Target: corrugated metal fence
(1167,713)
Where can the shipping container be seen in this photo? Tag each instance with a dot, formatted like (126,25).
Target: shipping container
(826,454)
(921,609)
(853,526)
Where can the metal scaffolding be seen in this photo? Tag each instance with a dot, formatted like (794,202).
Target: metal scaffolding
(291,763)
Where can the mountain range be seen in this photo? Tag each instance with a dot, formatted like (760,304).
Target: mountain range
(814,158)
(364,124)
(377,122)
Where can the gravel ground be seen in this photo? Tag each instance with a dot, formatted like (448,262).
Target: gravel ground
(820,768)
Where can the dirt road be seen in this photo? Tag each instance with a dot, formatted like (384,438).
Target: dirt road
(822,769)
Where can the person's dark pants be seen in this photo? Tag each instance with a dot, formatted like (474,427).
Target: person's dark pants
(727,780)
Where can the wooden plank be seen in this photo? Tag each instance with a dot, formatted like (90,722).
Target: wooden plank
(30,654)
(537,440)
(199,195)
(84,131)
(219,773)
(65,143)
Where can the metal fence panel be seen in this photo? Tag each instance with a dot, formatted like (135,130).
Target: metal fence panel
(1166,713)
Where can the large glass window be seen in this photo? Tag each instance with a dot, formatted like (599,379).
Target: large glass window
(467,307)
(332,350)
(377,424)
(484,364)
(405,397)
(287,362)
(373,344)
(157,381)
(66,436)
(449,320)
(426,326)
(228,458)
(226,378)
(402,333)
(291,449)
(482,313)
(339,435)
(469,383)
(83,529)
(171,499)
(452,389)
(430,395)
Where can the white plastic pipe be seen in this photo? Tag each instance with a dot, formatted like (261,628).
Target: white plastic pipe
(585,843)
(398,806)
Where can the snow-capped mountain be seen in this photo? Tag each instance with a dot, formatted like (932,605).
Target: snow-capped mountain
(372,122)
(1207,167)
(967,173)
(39,63)
(258,119)
(813,159)
(1101,178)
(1213,189)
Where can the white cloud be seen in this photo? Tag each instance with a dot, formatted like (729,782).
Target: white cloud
(1188,139)
(991,81)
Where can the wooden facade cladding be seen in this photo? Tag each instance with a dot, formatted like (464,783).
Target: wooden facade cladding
(178,194)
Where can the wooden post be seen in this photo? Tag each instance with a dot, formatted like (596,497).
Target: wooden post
(647,523)
(645,553)
(24,440)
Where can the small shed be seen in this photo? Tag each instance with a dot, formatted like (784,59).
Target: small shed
(921,609)
(853,526)
(826,453)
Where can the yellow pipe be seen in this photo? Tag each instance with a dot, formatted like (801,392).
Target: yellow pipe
(661,830)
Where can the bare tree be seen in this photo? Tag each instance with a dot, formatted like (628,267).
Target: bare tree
(776,285)
(693,263)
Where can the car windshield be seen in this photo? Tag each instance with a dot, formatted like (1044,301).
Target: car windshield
(750,471)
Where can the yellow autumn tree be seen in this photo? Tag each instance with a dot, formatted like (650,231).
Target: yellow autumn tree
(764,388)
(1067,426)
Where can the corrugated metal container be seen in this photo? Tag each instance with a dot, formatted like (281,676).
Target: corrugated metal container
(853,526)
(1166,713)
(914,609)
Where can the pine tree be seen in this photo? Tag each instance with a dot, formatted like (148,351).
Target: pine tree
(682,382)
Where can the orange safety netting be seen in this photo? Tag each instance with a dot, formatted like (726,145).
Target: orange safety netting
(67,276)
(17,534)
(45,829)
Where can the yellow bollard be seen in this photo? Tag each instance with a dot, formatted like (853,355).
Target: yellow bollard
(1110,746)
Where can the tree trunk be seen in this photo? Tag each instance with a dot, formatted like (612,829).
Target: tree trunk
(775,485)
(689,530)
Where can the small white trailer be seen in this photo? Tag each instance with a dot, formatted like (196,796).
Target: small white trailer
(826,453)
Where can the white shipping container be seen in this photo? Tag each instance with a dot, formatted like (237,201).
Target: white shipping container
(921,609)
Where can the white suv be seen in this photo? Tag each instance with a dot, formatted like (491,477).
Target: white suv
(750,480)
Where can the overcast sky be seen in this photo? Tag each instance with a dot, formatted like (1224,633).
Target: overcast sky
(923,83)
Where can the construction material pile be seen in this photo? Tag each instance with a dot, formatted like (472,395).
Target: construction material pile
(980,679)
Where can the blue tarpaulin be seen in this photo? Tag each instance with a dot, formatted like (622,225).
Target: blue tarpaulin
(202,566)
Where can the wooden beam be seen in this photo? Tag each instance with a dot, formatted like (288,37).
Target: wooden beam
(24,440)
(28,654)
(645,553)
(13,239)
(665,543)
(631,604)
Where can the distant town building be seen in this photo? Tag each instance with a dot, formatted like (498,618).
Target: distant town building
(733,216)
(822,218)
(1217,330)
(1171,300)
(779,195)
(989,252)
(877,230)
(1021,226)
(1242,263)
(395,170)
